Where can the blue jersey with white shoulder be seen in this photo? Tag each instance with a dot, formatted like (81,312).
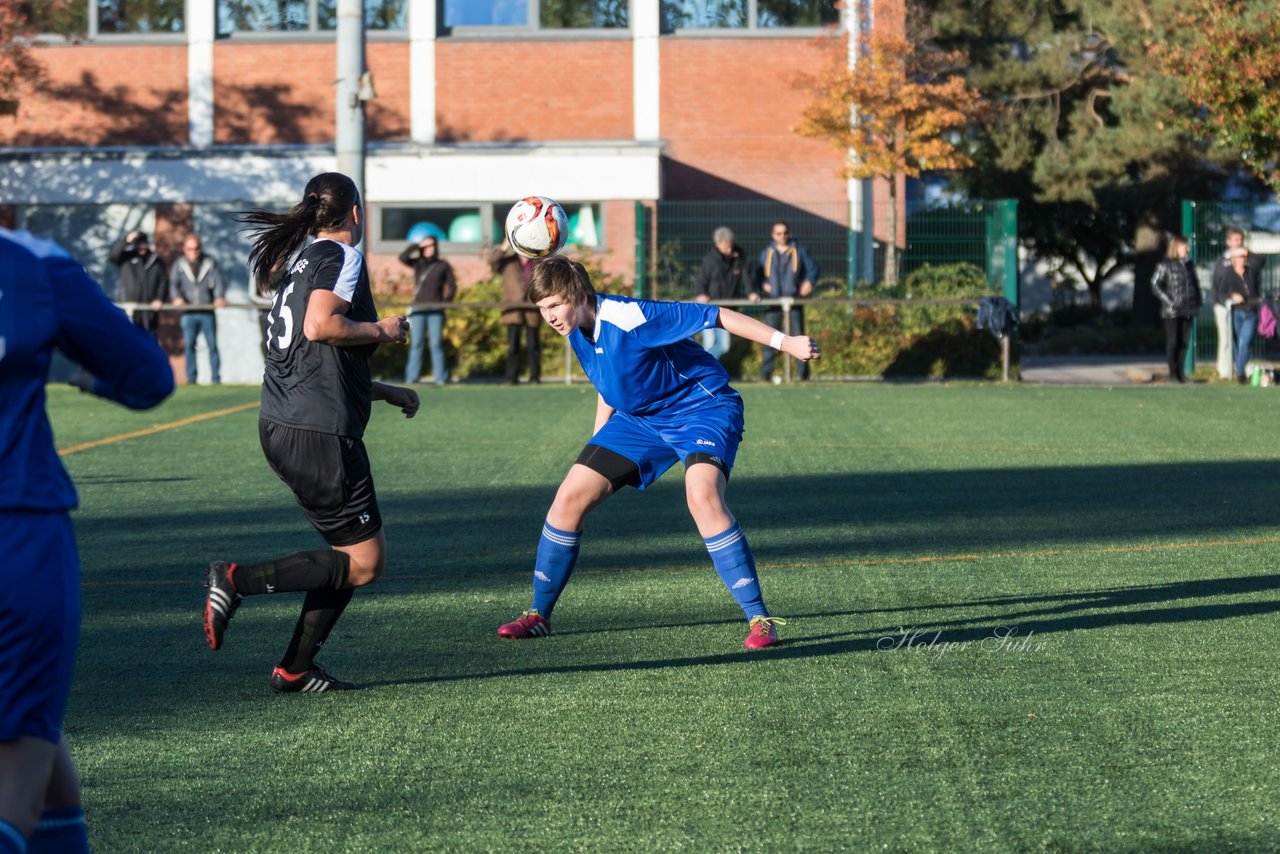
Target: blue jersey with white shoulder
(642,361)
(47,300)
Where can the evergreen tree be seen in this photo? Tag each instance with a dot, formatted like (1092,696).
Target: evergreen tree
(1085,130)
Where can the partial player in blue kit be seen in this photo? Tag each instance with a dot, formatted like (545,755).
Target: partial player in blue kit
(662,399)
(48,301)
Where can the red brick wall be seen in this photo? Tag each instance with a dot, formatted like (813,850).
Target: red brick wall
(388,114)
(283,93)
(273,93)
(103,95)
(533,90)
(728,107)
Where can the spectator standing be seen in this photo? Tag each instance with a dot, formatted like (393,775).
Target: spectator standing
(142,278)
(786,270)
(49,301)
(723,275)
(433,282)
(196,283)
(517,273)
(1245,296)
(1220,295)
(1175,286)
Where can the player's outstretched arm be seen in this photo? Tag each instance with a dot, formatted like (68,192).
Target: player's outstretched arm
(736,323)
(327,323)
(405,398)
(118,360)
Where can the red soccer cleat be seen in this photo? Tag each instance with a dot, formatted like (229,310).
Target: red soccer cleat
(763,632)
(530,625)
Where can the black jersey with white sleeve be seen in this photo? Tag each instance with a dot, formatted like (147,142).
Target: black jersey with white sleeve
(309,384)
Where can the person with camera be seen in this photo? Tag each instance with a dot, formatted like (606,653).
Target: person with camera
(433,283)
(142,278)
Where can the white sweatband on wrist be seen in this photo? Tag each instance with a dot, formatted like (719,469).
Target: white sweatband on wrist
(776,341)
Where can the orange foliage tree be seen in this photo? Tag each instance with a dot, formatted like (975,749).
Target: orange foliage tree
(18,30)
(895,112)
(1226,56)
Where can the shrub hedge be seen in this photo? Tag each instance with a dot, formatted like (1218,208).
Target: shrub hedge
(889,340)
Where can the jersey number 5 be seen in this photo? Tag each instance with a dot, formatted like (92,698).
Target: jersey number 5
(281,308)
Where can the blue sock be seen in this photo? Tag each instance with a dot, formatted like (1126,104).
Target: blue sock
(11,841)
(557,553)
(737,569)
(60,831)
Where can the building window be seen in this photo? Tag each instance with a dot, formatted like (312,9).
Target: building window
(139,16)
(537,14)
(71,20)
(272,16)
(746,14)
(466,227)
(88,19)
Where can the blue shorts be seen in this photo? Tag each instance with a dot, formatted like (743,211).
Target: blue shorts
(39,622)
(656,443)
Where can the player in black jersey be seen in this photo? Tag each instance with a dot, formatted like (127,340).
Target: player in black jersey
(317,393)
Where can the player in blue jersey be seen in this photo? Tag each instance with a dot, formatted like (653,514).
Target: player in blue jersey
(48,301)
(662,399)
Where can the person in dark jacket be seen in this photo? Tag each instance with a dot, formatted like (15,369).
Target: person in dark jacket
(786,270)
(1220,294)
(142,277)
(1243,295)
(723,275)
(433,282)
(1175,286)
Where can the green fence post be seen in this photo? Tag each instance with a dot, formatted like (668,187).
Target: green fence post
(1188,231)
(642,249)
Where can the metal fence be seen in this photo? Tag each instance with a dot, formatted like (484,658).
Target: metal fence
(673,236)
(1206,224)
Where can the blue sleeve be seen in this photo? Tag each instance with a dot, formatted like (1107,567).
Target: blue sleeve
(127,364)
(669,322)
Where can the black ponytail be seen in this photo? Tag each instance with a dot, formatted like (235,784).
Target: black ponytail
(327,199)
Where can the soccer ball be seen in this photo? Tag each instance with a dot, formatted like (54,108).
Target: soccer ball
(537,227)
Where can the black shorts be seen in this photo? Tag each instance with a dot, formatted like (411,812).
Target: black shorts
(330,478)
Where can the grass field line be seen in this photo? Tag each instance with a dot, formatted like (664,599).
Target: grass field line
(159,428)
(1163,454)
(867,561)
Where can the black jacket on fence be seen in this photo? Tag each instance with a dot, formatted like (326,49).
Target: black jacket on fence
(142,279)
(724,276)
(1174,284)
(433,279)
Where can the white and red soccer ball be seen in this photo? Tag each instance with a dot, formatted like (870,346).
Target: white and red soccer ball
(537,227)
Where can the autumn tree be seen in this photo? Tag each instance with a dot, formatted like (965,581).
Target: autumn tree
(895,112)
(1084,129)
(1226,57)
(20,22)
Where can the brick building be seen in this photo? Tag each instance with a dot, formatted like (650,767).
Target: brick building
(173,115)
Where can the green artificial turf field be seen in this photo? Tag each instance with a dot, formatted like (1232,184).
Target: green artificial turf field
(1019,618)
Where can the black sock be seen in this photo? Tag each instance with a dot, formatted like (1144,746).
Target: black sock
(322,569)
(320,612)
